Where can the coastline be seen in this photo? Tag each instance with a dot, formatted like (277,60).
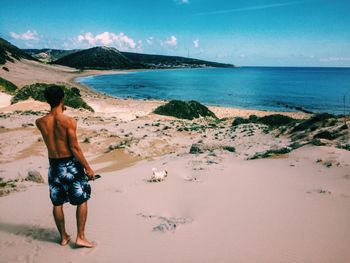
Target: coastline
(29,72)
(220,111)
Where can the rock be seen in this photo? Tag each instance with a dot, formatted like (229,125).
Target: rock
(34,176)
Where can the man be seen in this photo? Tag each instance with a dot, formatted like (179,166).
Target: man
(67,179)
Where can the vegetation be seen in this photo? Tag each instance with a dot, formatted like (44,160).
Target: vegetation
(229,148)
(9,52)
(316,142)
(200,147)
(196,148)
(329,135)
(98,58)
(276,120)
(239,120)
(184,110)
(7,86)
(159,61)
(36,91)
(270,153)
(314,122)
(273,120)
(141,60)
(344,146)
(47,55)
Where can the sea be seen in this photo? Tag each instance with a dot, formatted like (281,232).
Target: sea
(262,88)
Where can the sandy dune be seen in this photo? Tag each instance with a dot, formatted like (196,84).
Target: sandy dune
(236,211)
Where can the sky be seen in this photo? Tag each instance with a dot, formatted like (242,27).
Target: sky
(244,33)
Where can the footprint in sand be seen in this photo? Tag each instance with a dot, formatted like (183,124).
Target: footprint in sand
(167,224)
(192,179)
(319,191)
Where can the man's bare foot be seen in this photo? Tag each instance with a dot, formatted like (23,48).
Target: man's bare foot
(65,240)
(84,243)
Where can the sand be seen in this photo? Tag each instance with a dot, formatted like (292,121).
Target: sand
(213,207)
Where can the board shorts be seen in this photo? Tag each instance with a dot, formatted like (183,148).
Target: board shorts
(67,182)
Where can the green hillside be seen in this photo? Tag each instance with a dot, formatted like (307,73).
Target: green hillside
(98,58)
(9,52)
(47,55)
(111,58)
(161,61)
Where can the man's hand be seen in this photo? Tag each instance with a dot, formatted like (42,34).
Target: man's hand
(90,173)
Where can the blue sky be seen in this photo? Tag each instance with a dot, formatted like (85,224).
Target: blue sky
(247,33)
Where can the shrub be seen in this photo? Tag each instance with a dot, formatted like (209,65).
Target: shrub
(239,120)
(229,148)
(273,120)
(196,148)
(344,127)
(344,146)
(333,122)
(270,153)
(76,91)
(36,91)
(253,118)
(316,119)
(316,142)
(184,110)
(326,135)
(7,86)
(6,69)
(276,120)
(295,145)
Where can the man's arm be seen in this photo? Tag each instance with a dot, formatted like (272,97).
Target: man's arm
(75,148)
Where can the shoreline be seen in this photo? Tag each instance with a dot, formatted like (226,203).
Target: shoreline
(242,112)
(26,72)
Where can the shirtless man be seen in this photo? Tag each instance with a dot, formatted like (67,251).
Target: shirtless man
(67,179)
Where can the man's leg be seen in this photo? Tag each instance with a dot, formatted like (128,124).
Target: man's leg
(59,220)
(81,220)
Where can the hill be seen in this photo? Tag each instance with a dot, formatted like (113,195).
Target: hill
(111,58)
(161,61)
(47,55)
(9,52)
(98,58)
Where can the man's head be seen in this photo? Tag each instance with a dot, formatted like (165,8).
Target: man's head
(54,95)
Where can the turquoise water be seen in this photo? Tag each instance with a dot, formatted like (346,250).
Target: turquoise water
(262,88)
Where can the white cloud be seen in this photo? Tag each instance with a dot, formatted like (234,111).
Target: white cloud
(334,59)
(29,35)
(149,41)
(171,41)
(182,2)
(196,43)
(139,45)
(121,41)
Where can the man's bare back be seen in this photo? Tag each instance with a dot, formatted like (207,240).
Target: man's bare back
(59,133)
(54,129)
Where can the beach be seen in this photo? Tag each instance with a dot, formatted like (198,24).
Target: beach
(214,206)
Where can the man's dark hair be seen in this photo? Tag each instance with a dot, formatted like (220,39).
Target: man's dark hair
(53,95)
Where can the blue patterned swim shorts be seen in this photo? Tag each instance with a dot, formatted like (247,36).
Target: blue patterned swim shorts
(68,182)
